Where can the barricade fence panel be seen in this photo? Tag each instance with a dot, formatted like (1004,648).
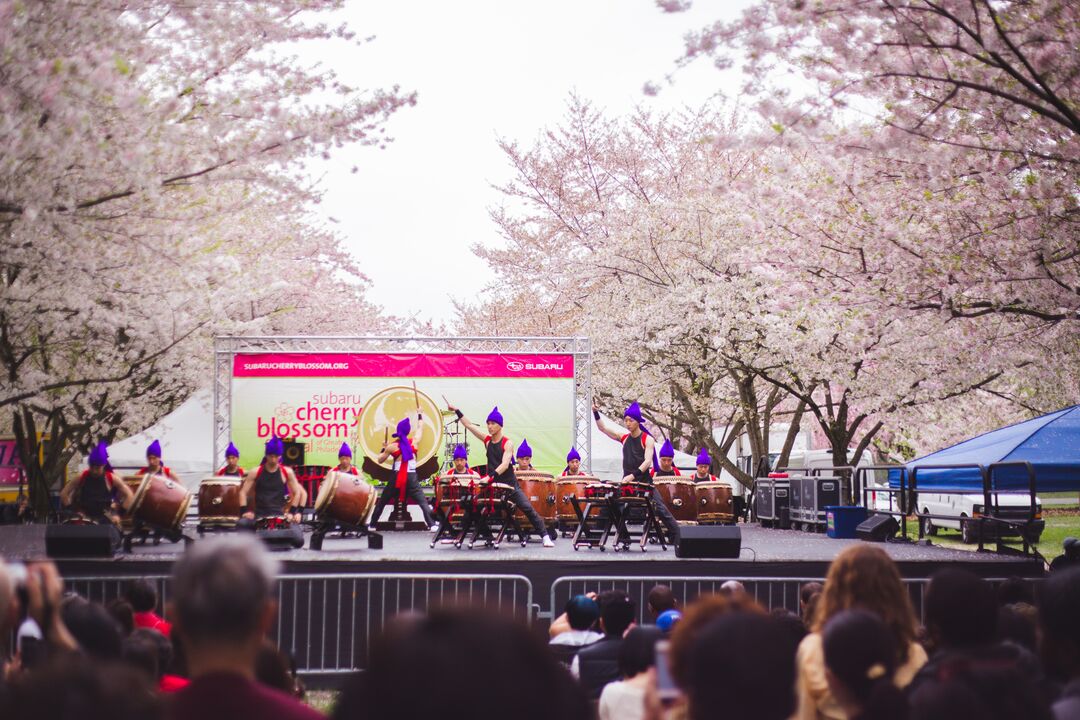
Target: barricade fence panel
(328,622)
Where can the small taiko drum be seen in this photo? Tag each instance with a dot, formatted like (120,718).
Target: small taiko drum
(680,497)
(714,502)
(539,488)
(346,498)
(490,495)
(453,491)
(160,502)
(635,490)
(219,501)
(566,489)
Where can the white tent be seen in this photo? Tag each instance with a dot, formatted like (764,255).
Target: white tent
(607,454)
(187,441)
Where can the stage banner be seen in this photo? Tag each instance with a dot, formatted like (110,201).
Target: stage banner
(322,400)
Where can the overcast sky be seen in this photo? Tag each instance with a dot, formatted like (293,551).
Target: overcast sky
(483,69)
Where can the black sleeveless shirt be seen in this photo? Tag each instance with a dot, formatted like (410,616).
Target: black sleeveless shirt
(633,454)
(494,459)
(94,496)
(269,492)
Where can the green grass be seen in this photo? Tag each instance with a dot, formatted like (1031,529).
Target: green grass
(1061,522)
(321,700)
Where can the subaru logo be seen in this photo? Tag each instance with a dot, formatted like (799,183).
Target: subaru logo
(515,366)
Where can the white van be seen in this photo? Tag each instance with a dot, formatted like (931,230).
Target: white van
(961,507)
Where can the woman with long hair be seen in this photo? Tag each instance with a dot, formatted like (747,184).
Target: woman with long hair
(861,577)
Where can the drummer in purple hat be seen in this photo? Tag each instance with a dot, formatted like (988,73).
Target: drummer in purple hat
(406,483)
(94,494)
(639,457)
(460,461)
(232,463)
(154,466)
(345,464)
(704,463)
(524,457)
(667,462)
(271,489)
(573,464)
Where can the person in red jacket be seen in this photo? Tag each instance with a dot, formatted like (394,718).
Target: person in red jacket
(143,598)
(96,492)
(232,463)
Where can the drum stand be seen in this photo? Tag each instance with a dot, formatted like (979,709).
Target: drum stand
(650,528)
(143,532)
(320,528)
(594,529)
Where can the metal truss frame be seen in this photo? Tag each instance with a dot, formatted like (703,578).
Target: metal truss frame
(225,348)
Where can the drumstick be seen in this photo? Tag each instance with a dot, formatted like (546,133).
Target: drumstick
(417,396)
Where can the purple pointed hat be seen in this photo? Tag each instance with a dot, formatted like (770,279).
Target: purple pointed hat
(703,457)
(154,449)
(274,446)
(666,450)
(572,455)
(523,449)
(460,453)
(345,450)
(99,455)
(495,416)
(231,451)
(634,411)
(403,429)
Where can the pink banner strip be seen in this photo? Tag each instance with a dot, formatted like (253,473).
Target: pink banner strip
(490,365)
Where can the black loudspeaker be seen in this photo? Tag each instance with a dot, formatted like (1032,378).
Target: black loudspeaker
(374,541)
(81,540)
(293,453)
(709,541)
(877,528)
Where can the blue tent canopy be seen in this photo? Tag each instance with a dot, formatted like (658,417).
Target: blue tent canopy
(1051,443)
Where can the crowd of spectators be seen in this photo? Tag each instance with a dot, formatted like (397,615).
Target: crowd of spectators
(855,650)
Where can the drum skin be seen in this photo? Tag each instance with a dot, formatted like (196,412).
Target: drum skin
(161,502)
(539,488)
(566,489)
(714,503)
(680,498)
(219,501)
(345,497)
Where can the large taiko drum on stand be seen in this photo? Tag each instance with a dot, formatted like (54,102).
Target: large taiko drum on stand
(679,496)
(346,498)
(160,502)
(714,503)
(219,502)
(539,488)
(566,489)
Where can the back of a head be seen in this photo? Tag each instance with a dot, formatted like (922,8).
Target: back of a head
(702,611)
(970,687)
(743,665)
(961,609)
(141,651)
(141,594)
(465,647)
(617,612)
(809,590)
(1018,624)
(791,622)
(638,650)
(660,599)
(582,612)
(124,614)
(272,668)
(1016,590)
(220,587)
(1059,598)
(860,653)
(96,631)
(90,690)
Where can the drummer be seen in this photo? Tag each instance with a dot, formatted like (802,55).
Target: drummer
(704,463)
(94,493)
(266,488)
(638,454)
(460,462)
(573,464)
(524,457)
(500,468)
(153,463)
(667,462)
(403,450)
(232,463)
(344,458)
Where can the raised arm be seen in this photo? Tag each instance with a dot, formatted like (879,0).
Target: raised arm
(67,495)
(126,495)
(467,423)
(387,451)
(419,433)
(603,428)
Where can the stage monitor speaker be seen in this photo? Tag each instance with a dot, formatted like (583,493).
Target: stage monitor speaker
(64,541)
(294,453)
(709,541)
(374,541)
(877,528)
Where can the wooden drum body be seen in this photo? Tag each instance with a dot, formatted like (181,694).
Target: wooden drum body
(714,503)
(127,520)
(219,501)
(161,502)
(453,491)
(566,489)
(345,497)
(680,497)
(539,488)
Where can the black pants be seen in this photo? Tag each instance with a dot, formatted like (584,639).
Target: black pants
(518,497)
(666,518)
(412,489)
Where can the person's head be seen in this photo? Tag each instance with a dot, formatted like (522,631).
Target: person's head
(638,650)
(961,610)
(275,448)
(223,594)
(494,422)
(142,595)
(123,613)
(1015,590)
(1059,622)
(732,587)
(163,646)
(1018,623)
(582,612)
(806,592)
(97,633)
(460,465)
(153,455)
(632,418)
(524,453)
(98,459)
(970,686)
(661,598)
(792,623)
(232,456)
(696,616)
(345,455)
(91,690)
(860,661)
(272,668)
(742,664)
(864,576)
(617,612)
(666,464)
(704,463)
(516,669)
(667,456)
(140,651)
(460,458)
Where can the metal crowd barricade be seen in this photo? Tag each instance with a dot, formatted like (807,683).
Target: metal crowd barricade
(863,490)
(328,622)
